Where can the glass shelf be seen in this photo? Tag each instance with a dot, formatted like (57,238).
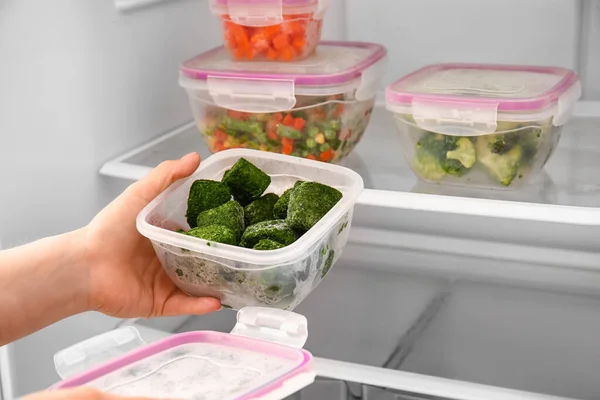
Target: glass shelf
(567,191)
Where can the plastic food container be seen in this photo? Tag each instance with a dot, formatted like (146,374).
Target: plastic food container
(276,30)
(262,358)
(242,277)
(490,126)
(317,108)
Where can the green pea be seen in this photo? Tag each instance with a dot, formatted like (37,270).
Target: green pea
(310,143)
(313,131)
(324,147)
(330,134)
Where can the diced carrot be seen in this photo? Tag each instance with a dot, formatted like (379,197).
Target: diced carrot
(299,124)
(272,135)
(287,54)
(339,110)
(287,146)
(220,135)
(234,114)
(311,157)
(298,43)
(272,30)
(218,146)
(272,130)
(239,53)
(278,117)
(280,42)
(271,54)
(326,155)
(288,120)
(226,145)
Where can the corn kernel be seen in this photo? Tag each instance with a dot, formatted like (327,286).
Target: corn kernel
(320,138)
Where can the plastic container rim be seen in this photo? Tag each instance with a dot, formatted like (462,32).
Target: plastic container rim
(337,78)
(544,101)
(174,341)
(269,258)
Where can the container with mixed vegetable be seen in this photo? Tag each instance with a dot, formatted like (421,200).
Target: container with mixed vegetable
(318,108)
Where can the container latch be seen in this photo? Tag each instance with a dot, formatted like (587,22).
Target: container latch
(252,95)
(272,325)
(566,104)
(255,13)
(96,350)
(455,118)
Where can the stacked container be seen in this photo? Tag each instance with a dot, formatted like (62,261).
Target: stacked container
(271,88)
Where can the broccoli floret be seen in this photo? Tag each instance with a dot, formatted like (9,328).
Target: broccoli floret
(502,144)
(438,155)
(267,244)
(260,210)
(214,233)
(464,153)
(204,195)
(309,202)
(281,207)
(230,215)
(246,181)
(277,230)
(503,167)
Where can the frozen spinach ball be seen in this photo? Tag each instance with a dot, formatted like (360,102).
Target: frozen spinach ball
(281,207)
(260,210)
(214,233)
(204,195)
(229,215)
(309,202)
(246,181)
(267,244)
(276,230)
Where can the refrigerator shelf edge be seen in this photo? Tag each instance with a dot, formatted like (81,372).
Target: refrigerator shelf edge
(399,380)
(567,193)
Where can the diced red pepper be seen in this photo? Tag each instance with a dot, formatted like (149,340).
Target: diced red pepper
(288,120)
(287,146)
(299,124)
(326,155)
(220,135)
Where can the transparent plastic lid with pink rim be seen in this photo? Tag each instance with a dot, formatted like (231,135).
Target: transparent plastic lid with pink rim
(262,358)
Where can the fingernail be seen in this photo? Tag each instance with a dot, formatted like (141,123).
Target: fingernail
(188,155)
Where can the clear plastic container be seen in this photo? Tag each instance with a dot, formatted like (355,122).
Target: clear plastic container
(262,358)
(274,30)
(489,126)
(317,108)
(242,277)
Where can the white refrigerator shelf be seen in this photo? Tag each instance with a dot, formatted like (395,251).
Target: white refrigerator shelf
(567,192)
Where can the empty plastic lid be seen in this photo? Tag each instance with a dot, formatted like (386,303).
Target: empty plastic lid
(261,359)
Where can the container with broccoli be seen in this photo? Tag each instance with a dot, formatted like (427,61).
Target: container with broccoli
(489,126)
(268,253)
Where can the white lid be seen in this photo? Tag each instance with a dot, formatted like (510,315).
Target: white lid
(261,359)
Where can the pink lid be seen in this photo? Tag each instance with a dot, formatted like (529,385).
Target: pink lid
(506,88)
(207,365)
(333,63)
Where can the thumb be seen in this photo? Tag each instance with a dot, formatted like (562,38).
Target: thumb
(163,176)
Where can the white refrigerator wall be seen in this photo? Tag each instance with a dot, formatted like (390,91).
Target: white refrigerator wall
(82,81)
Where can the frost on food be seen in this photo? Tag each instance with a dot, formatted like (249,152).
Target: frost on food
(204,195)
(276,230)
(280,208)
(246,181)
(214,233)
(261,209)
(229,215)
(309,202)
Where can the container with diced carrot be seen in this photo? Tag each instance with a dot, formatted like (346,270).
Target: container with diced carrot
(277,30)
(317,108)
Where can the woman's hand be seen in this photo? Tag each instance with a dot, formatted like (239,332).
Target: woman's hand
(126,278)
(108,266)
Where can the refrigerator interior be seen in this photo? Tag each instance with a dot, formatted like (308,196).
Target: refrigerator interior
(431,276)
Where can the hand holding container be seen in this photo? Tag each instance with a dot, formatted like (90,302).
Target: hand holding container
(242,277)
(488,126)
